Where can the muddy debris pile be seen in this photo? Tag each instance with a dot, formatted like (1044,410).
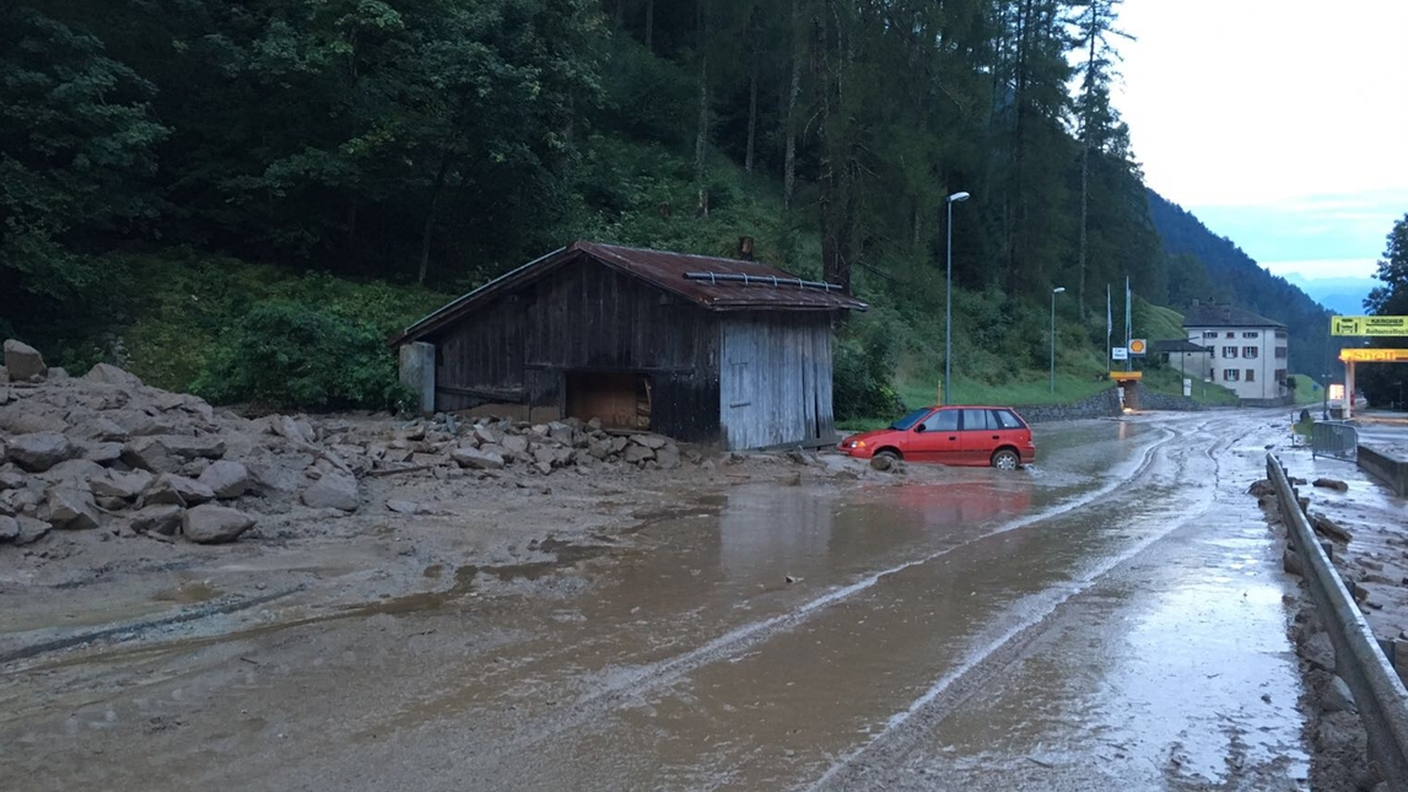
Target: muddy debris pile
(487,445)
(104,452)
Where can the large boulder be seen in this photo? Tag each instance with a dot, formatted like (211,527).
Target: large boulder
(515,445)
(72,508)
(9,480)
(477,459)
(31,530)
(201,447)
(73,470)
(23,361)
(484,435)
(9,529)
(560,432)
(333,491)
(227,479)
(211,524)
(25,416)
(104,453)
(124,486)
(636,453)
(150,453)
(109,374)
(40,451)
(668,456)
(99,429)
(651,441)
(162,519)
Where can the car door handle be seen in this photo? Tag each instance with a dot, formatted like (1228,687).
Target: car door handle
(953,437)
(995,437)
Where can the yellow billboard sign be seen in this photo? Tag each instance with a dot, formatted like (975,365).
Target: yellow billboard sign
(1367,355)
(1369,325)
(1126,375)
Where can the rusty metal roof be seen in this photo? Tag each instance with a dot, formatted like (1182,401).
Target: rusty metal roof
(765,288)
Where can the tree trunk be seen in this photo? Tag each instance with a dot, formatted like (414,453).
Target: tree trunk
(794,90)
(752,120)
(650,25)
(430,219)
(701,141)
(1085,166)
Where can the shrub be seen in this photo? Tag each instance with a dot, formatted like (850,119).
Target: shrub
(291,356)
(861,378)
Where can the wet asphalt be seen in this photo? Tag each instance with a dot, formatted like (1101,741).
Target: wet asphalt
(1113,617)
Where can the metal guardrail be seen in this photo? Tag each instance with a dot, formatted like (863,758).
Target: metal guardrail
(1335,439)
(1378,692)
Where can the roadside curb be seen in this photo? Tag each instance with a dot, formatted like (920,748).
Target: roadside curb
(1377,689)
(1388,469)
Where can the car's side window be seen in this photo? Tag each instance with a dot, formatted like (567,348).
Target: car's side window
(975,420)
(942,421)
(1006,419)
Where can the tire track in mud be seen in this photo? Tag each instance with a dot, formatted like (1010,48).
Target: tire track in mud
(630,687)
(905,728)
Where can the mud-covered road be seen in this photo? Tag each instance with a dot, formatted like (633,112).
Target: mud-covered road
(1114,617)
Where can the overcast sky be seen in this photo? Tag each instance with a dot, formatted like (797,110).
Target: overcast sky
(1282,124)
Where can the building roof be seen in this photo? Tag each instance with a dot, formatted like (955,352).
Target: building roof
(716,284)
(1179,345)
(1213,315)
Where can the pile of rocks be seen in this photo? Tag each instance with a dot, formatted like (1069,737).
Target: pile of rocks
(499,444)
(105,451)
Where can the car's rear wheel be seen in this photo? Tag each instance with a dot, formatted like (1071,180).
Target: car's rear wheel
(1006,459)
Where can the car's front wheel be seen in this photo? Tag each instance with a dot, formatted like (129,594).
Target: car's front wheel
(1006,459)
(888,453)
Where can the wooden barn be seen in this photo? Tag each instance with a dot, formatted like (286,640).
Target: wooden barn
(701,349)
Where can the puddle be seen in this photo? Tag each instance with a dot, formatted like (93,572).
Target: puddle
(188,593)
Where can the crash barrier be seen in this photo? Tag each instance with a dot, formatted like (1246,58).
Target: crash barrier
(1378,692)
(1335,439)
(1386,468)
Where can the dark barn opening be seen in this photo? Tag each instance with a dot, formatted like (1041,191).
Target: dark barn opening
(698,348)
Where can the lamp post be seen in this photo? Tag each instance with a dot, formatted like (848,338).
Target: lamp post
(1054,292)
(948,297)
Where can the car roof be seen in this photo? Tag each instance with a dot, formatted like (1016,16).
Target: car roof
(971,407)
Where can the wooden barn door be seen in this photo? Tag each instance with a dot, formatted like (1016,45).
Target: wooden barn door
(775,380)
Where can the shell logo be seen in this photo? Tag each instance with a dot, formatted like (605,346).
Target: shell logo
(1137,346)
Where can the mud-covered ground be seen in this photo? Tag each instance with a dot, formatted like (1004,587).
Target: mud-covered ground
(1115,616)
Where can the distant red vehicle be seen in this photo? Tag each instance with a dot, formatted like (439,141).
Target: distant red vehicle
(956,435)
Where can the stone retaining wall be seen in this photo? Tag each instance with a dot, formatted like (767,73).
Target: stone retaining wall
(1386,468)
(1149,400)
(1104,404)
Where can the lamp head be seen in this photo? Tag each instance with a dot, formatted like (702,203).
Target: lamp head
(958,196)
(1058,289)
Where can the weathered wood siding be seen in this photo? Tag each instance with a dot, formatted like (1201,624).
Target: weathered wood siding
(585,317)
(775,379)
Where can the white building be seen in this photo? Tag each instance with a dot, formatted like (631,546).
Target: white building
(1247,353)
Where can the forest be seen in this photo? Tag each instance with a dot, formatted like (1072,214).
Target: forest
(226,196)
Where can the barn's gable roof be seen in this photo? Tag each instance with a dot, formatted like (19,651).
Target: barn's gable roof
(716,284)
(1199,315)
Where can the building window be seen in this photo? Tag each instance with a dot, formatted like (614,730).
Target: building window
(1280,335)
(1252,334)
(1249,352)
(1229,352)
(1280,375)
(1231,375)
(1231,334)
(1251,375)
(1280,353)
(1209,334)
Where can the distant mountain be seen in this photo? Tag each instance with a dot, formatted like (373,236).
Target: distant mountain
(1343,296)
(1205,266)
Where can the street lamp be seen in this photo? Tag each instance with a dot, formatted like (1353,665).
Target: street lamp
(1054,292)
(948,297)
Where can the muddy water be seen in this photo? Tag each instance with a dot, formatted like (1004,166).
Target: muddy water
(1110,618)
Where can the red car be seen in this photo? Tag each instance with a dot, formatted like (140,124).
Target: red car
(957,435)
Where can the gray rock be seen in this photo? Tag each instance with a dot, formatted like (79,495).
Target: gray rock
(109,374)
(668,456)
(882,463)
(72,508)
(300,432)
(23,361)
(636,453)
(543,467)
(57,373)
(150,453)
(136,423)
(104,453)
(594,424)
(211,524)
(544,455)
(402,507)
(192,492)
(491,448)
(1318,650)
(516,445)
(194,468)
(5,393)
(333,491)
(27,417)
(9,529)
(1337,697)
(77,470)
(31,530)
(162,492)
(162,519)
(227,479)
(599,449)
(651,441)
(618,444)
(202,447)
(560,432)
(40,451)
(487,436)
(125,486)
(477,459)
(4,451)
(100,429)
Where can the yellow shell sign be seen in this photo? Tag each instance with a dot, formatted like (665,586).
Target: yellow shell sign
(1366,355)
(1369,325)
(1138,346)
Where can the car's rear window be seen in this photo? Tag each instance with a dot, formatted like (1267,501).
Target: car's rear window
(1007,419)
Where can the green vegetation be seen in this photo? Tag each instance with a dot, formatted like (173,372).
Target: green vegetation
(229,196)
